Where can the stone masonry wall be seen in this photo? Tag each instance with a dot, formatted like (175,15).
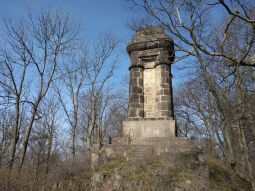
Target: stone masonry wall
(150,93)
(136,99)
(164,103)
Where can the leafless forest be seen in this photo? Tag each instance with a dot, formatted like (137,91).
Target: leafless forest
(58,96)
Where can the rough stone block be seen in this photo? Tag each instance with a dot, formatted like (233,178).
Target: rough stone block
(131,112)
(165,98)
(165,113)
(133,81)
(134,98)
(137,74)
(136,89)
(141,113)
(140,82)
(166,92)
(164,74)
(163,106)
(149,128)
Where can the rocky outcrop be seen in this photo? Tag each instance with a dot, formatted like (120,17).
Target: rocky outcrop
(173,171)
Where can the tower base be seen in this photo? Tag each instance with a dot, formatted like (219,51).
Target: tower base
(148,128)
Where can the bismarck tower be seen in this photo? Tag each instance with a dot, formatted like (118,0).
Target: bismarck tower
(150,108)
(150,128)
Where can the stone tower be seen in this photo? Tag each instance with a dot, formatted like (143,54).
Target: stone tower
(150,128)
(150,108)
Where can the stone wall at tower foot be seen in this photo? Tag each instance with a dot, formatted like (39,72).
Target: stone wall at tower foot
(141,148)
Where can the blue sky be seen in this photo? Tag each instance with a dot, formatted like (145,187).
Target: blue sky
(95,17)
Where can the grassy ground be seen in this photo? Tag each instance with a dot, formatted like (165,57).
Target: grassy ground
(168,173)
(184,172)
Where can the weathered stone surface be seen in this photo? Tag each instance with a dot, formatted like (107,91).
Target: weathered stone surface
(150,38)
(146,147)
(97,177)
(149,93)
(151,53)
(136,93)
(149,128)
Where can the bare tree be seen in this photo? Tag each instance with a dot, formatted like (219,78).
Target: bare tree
(6,121)
(239,9)
(73,80)
(197,115)
(40,41)
(189,24)
(44,134)
(13,71)
(99,69)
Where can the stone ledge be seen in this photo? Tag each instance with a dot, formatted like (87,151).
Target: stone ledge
(147,119)
(149,141)
(177,141)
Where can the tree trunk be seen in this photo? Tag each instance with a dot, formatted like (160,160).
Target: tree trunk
(15,137)
(27,134)
(243,122)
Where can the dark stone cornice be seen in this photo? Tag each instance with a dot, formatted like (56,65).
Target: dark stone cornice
(136,66)
(162,43)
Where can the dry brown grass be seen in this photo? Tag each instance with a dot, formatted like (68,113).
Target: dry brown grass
(61,176)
